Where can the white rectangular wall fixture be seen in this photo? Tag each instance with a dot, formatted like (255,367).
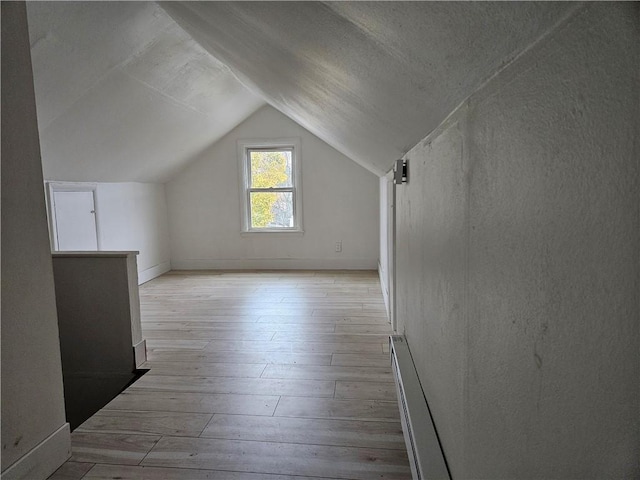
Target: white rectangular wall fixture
(423,447)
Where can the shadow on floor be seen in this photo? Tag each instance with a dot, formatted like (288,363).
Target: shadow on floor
(85,394)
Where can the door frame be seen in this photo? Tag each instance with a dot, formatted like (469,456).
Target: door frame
(391,248)
(51,188)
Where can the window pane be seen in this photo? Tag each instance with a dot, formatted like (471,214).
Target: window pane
(270,168)
(271,209)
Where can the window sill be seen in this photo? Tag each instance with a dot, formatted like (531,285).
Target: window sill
(249,233)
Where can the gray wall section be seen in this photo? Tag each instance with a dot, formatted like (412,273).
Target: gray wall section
(94,311)
(518,261)
(96,303)
(32,398)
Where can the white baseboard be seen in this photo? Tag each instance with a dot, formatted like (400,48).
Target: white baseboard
(43,459)
(140,353)
(276,264)
(426,457)
(153,272)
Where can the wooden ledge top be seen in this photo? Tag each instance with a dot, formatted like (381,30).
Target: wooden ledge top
(94,254)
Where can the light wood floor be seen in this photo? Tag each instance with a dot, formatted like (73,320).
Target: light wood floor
(254,376)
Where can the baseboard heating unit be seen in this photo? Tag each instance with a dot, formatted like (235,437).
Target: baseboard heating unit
(425,454)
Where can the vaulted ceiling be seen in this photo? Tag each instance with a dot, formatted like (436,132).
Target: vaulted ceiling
(124,94)
(132,91)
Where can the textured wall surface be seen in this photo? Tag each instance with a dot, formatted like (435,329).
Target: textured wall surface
(518,261)
(32,398)
(340,203)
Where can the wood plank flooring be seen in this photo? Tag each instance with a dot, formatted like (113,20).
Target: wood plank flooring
(253,376)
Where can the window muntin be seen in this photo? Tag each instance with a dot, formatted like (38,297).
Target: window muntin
(271,183)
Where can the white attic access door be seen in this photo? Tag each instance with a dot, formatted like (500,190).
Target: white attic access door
(72,210)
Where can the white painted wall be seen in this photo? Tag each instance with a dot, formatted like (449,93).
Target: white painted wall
(133,216)
(518,261)
(340,201)
(35,435)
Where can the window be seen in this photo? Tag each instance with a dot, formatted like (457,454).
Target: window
(271,200)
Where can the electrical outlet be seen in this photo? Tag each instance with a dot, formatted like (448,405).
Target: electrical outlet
(339,246)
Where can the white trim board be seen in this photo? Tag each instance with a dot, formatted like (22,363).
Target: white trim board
(275,264)
(140,353)
(384,288)
(426,457)
(44,459)
(153,272)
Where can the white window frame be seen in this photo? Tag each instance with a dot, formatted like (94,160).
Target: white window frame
(293,144)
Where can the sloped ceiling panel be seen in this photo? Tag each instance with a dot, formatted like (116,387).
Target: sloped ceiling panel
(369,78)
(124,94)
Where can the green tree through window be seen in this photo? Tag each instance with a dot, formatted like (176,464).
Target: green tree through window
(271,195)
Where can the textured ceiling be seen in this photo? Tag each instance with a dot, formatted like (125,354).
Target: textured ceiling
(125,94)
(370,78)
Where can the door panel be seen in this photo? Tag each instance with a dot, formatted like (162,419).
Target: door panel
(75,220)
